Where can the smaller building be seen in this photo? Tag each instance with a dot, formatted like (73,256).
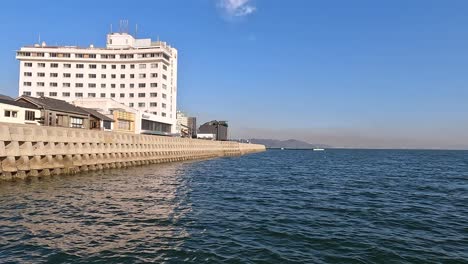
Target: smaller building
(186,126)
(18,112)
(98,121)
(218,128)
(192,123)
(58,113)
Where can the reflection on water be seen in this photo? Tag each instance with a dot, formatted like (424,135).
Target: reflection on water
(118,212)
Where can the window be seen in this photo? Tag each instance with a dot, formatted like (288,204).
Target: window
(132,66)
(28,74)
(122,95)
(92,76)
(164,86)
(79,75)
(123,124)
(142,85)
(53,74)
(107,124)
(40,74)
(154,65)
(103,85)
(154,75)
(141,104)
(78,94)
(54,65)
(40,94)
(11,113)
(163,114)
(153,104)
(153,85)
(53,84)
(30,115)
(131,104)
(112,95)
(164,77)
(80,66)
(141,94)
(122,76)
(114,66)
(41,84)
(142,66)
(91,95)
(113,85)
(92,66)
(28,64)
(113,76)
(27,83)
(76,122)
(52,94)
(164,96)
(142,75)
(67,75)
(132,76)
(78,85)
(66,94)
(165,67)
(26,93)
(122,85)
(131,95)
(67,65)
(103,76)
(66,85)
(163,105)
(132,85)
(122,66)
(153,94)
(41,65)
(103,95)
(103,66)
(91,85)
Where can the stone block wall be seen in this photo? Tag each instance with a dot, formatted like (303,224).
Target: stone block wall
(31,151)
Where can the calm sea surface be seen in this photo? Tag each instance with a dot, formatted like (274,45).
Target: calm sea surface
(337,206)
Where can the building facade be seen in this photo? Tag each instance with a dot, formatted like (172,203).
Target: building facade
(139,73)
(217,128)
(18,112)
(126,119)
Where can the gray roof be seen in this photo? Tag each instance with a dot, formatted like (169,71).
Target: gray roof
(53,104)
(15,103)
(5,97)
(97,114)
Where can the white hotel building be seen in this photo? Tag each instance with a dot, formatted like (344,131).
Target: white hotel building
(136,72)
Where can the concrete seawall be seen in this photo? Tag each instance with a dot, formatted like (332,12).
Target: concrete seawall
(32,151)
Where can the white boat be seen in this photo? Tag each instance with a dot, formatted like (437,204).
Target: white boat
(318,149)
(282,148)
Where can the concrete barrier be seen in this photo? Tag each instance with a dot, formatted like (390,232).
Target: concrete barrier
(32,151)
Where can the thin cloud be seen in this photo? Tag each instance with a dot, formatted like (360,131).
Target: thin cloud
(237,8)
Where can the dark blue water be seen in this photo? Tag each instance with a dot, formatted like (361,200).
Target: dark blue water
(337,206)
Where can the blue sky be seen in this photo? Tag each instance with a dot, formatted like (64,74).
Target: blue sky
(359,73)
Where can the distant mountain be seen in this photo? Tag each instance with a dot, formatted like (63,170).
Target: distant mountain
(290,143)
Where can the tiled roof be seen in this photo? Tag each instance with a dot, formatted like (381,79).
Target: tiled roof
(15,103)
(97,114)
(54,104)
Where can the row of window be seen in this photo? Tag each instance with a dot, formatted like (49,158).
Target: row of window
(94,56)
(94,66)
(29,115)
(94,76)
(121,95)
(93,85)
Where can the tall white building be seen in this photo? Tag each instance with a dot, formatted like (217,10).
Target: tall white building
(139,73)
